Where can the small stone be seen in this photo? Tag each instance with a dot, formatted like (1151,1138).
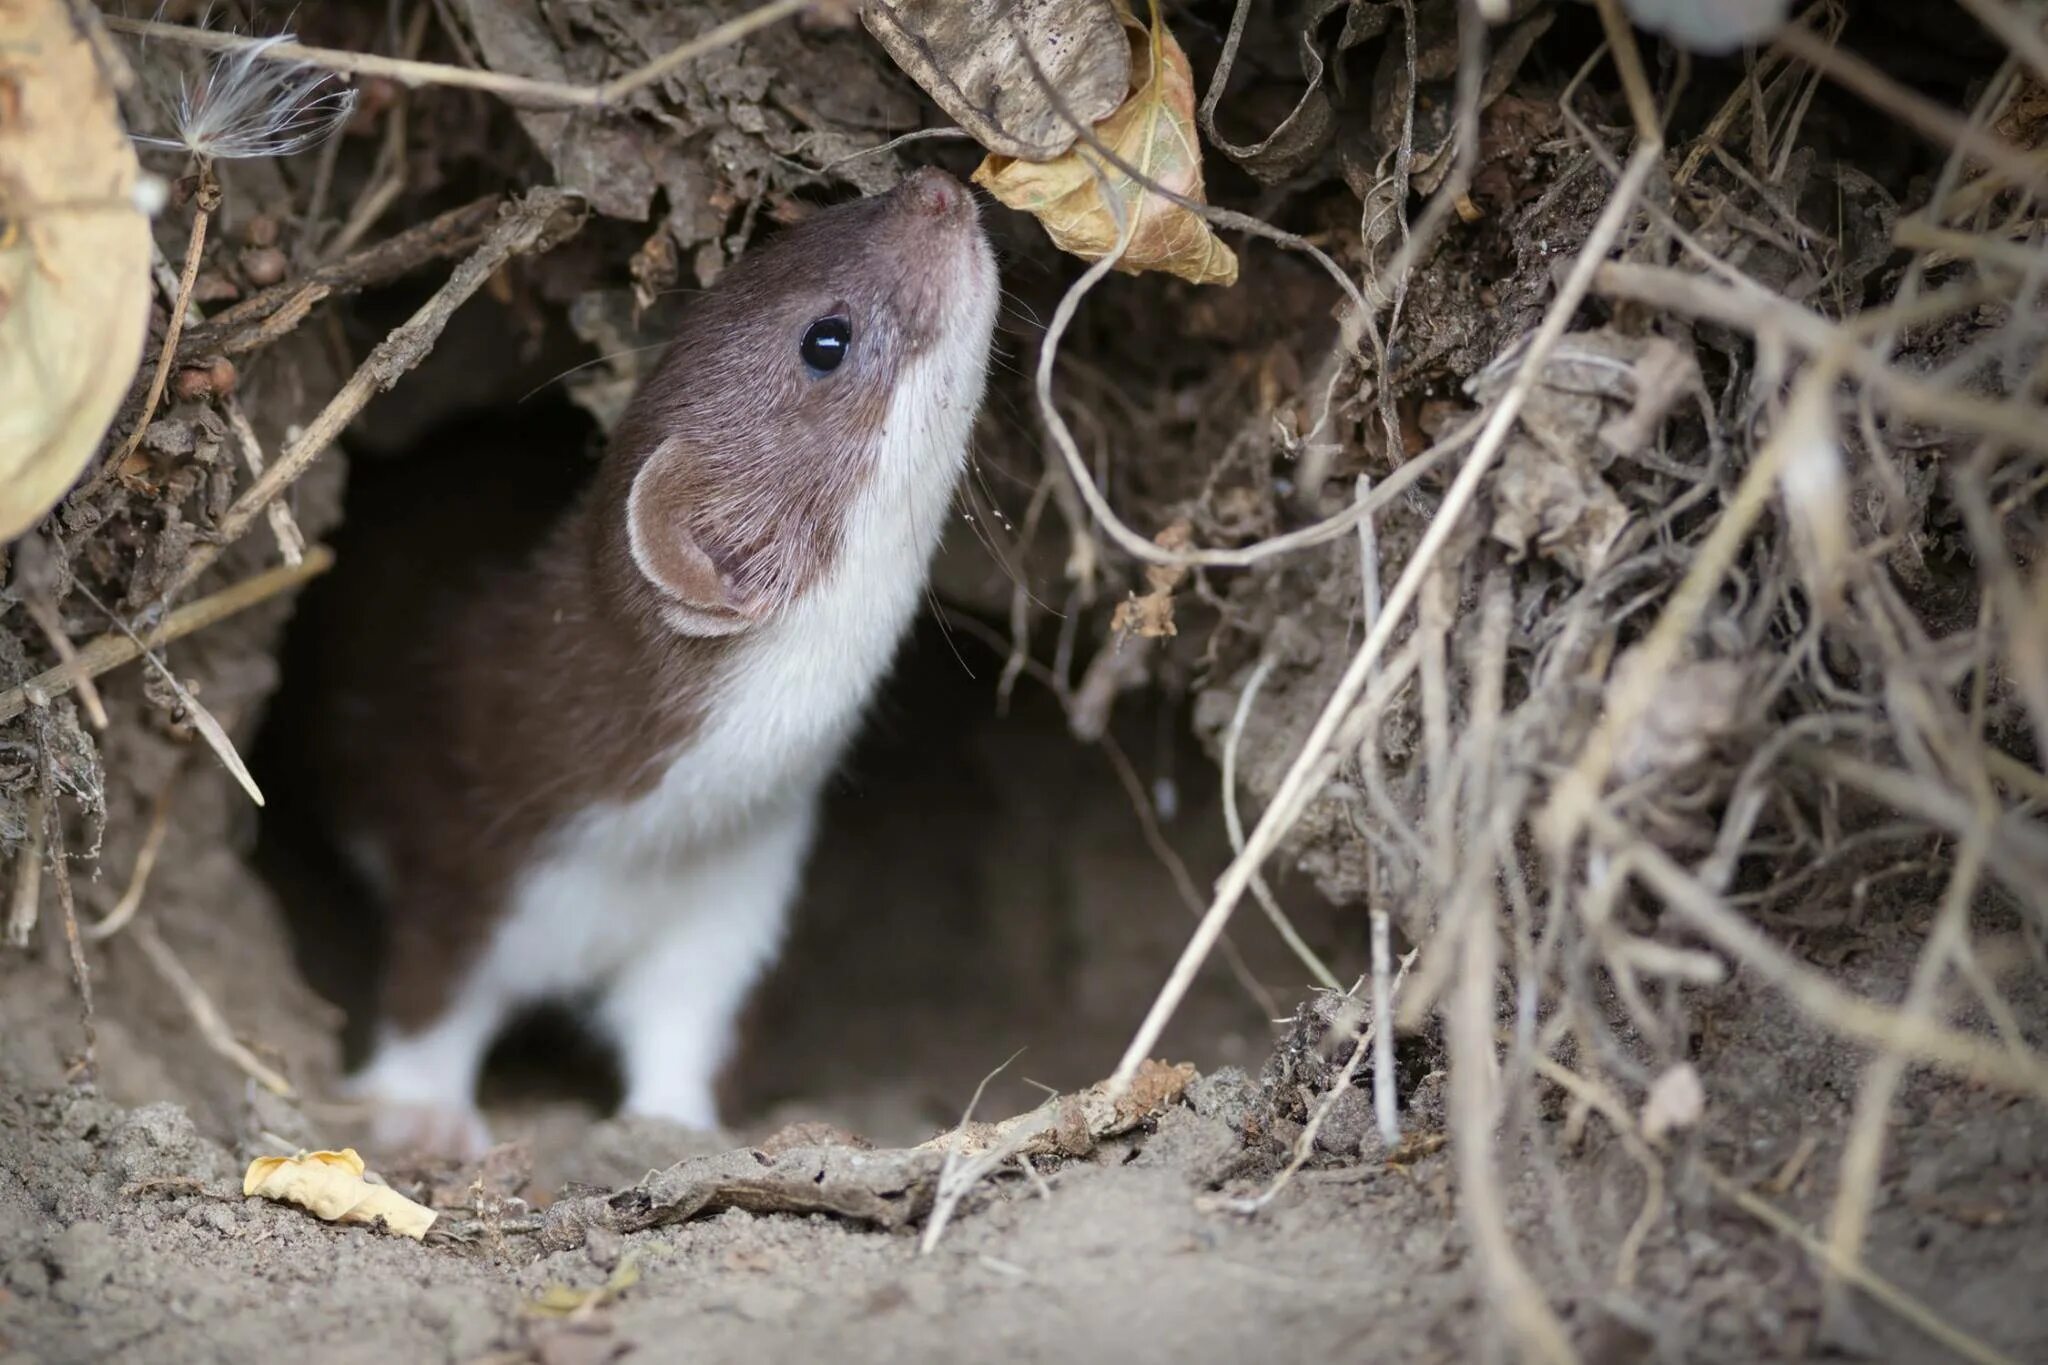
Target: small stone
(212,286)
(265,266)
(215,1217)
(83,1257)
(1225,1093)
(1348,1125)
(603,1246)
(192,384)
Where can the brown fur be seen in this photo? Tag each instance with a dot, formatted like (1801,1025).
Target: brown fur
(499,700)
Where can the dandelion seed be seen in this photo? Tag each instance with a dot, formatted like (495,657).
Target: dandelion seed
(252,105)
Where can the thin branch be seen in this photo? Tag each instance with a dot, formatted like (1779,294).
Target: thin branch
(525,91)
(541,219)
(115,648)
(1300,784)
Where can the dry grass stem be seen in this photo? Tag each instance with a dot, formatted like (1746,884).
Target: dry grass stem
(1474,1113)
(1849,1222)
(525,91)
(26,894)
(1631,696)
(76,675)
(111,650)
(138,878)
(59,857)
(1828,1004)
(1934,121)
(1317,969)
(291,541)
(539,220)
(1854,1272)
(206,1016)
(203,205)
(1297,786)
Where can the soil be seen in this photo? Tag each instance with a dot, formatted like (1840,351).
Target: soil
(124,1238)
(995,900)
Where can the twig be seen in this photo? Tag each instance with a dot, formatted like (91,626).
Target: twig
(26,900)
(1474,1115)
(46,619)
(203,205)
(145,862)
(205,1015)
(1295,788)
(210,729)
(291,541)
(60,875)
(1235,827)
(115,648)
(541,219)
(1855,1272)
(521,90)
(1849,1222)
(960,1173)
(248,324)
(1848,1015)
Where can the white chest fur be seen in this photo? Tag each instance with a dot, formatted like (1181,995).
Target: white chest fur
(671,904)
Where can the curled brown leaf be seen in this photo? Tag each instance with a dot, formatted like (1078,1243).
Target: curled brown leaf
(1080,197)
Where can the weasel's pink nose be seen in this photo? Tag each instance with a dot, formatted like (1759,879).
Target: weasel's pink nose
(932,192)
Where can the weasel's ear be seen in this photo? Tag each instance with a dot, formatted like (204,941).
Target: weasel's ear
(701,599)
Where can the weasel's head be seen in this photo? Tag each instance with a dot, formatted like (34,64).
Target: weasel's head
(823,392)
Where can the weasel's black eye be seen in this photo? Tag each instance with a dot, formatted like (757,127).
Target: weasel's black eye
(825,343)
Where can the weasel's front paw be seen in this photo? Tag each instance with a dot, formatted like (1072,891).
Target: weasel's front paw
(440,1131)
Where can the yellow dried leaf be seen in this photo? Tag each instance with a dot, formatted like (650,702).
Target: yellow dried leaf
(331,1186)
(1154,131)
(562,1301)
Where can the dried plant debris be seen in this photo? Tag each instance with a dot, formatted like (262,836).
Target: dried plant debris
(887,1189)
(74,259)
(988,64)
(333,1186)
(254,102)
(709,142)
(1093,209)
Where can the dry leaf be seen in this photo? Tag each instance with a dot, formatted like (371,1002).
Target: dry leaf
(74,259)
(1561,509)
(1150,615)
(1154,131)
(561,1300)
(966,55)
(331,1186)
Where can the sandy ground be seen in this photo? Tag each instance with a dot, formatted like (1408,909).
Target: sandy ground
(123,1235)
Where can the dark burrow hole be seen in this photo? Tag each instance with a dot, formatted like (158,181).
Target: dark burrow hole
(981,882)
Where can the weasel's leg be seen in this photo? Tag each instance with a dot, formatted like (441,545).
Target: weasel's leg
(673,1008)
(423,1084)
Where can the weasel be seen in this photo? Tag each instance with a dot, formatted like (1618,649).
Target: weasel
(599,779)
